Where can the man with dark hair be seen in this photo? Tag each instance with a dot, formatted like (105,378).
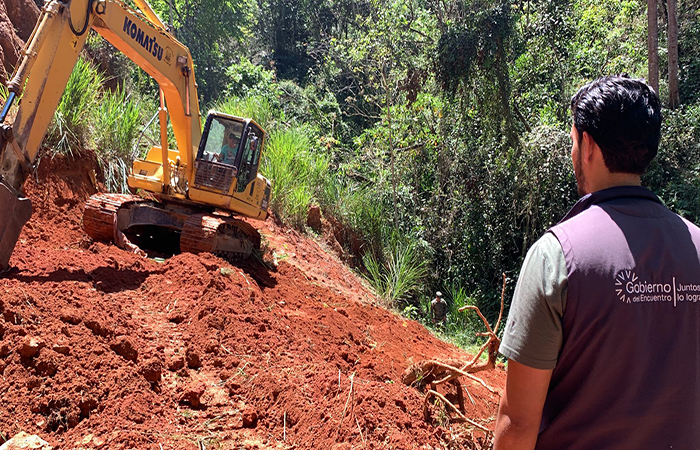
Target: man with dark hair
(603,335)
(228,151)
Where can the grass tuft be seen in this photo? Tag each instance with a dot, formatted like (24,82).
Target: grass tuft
(295,172)
(401,275)
(117,120)
(68,132)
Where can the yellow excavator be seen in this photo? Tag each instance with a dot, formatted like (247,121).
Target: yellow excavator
(195,191)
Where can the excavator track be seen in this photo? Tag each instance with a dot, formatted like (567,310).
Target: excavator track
(229,238)
(99,217)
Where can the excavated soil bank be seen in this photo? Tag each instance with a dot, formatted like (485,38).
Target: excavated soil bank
(100,348)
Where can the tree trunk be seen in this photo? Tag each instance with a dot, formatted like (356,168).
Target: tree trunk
(673,94)
(653,44)
(385,81)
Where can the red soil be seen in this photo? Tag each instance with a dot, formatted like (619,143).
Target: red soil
(100,348)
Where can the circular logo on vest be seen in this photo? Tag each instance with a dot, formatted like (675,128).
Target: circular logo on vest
(622,281)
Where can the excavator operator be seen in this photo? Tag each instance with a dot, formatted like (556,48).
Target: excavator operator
(228,151)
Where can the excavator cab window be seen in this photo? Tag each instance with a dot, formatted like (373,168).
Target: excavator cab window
(230,148)
(219,151)
(222,137)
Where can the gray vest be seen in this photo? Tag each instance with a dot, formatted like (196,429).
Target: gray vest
(628,376)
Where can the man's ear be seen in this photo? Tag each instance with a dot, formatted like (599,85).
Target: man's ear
(588,147)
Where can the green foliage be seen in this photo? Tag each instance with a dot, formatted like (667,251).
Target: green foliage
(689,56)
(610,38)
(401,275)
(675,173)
(248,79)
(68,131)
(212,30)
(296,172)
(358,208)
(312,105)
(540,72)
(475,41)
(457,297)
(116,124)
(294,31)
(472,55)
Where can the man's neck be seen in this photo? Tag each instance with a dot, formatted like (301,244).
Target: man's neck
(614,180)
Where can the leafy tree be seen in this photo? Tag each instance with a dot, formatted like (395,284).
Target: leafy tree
(473,50)
(214,31)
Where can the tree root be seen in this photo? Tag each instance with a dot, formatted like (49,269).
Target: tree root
(428,374)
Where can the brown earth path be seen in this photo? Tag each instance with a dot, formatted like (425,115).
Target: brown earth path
(100,348)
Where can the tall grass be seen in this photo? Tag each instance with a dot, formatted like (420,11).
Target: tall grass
(117,121)
(296,173)
(401,275)
(88,116)
(357,207)
(464,321)
(68,131)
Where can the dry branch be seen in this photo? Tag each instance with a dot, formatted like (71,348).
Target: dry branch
(347,402)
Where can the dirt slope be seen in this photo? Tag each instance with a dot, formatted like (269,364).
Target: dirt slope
(100,348)
(17,19)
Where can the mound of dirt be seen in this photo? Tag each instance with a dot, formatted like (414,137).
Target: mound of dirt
(100,348)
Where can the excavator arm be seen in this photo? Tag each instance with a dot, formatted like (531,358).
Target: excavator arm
(43,71)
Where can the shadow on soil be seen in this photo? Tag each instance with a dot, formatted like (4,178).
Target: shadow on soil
(259,271)
(105,279)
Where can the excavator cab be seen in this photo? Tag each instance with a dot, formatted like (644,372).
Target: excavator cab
(226,166)
(229,153)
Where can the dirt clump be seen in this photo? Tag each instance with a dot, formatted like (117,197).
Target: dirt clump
(101,348)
